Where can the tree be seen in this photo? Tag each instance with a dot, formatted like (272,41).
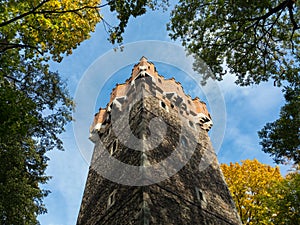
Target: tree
(49,26)
(22,161)
(34,111)
(286,204)
(281,138)
(257,41)
(250,184)
(261,195)
(34,103)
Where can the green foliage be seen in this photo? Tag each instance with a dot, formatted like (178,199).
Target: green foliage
(287,204)
(127,9)
(22,161)
(255,40)
(34,109)
(281,138)
(34,103)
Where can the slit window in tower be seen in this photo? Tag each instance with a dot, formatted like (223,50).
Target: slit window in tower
(200,195)
(111,199)
(113,147)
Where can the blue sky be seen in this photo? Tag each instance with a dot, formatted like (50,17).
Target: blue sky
(247,110)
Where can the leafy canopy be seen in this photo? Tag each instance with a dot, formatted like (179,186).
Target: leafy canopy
(22,161)
(250,185)
(34,103)
(261,195)
(58,26)
(287,205)
(49,26)
(35,108)
(256,41)
(281,138)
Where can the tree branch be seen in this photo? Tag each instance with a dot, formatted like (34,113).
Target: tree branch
(11,78)
(23,15)
(281,6)
(70,10)
(295,25)
(34,11)
(257,41)
(8,46)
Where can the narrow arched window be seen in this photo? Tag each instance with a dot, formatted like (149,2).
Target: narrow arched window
(163,105)
(113,147)
(111,199)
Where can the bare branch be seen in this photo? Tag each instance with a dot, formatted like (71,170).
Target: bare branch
(105,25)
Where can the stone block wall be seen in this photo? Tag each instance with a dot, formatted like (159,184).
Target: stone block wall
(191,196)
(170,131)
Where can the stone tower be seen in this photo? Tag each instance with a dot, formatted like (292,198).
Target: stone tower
(153,162)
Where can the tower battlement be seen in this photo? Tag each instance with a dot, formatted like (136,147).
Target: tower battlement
(169,91)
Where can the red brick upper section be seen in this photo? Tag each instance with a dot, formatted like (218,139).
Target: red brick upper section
(100,116)
(166,85)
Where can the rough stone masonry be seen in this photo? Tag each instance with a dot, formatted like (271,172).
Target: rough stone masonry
(168,186)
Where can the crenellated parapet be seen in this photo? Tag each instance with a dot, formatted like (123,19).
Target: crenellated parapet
(169,91)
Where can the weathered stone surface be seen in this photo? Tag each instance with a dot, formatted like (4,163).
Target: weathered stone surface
(193,195)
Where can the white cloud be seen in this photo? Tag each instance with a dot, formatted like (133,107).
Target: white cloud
(248,109)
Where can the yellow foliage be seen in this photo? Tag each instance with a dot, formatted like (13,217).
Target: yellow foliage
(53,26)
(250,185)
